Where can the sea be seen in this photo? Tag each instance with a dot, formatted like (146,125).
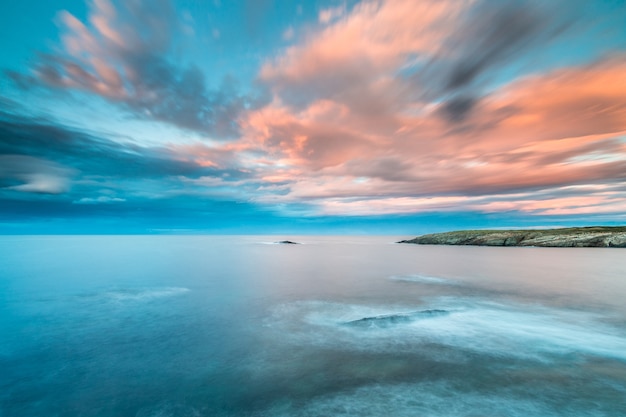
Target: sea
(182,326)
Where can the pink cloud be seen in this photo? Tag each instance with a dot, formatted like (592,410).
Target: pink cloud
(544,132)
(123,52)
(571,102)
(382,108)
(363,48)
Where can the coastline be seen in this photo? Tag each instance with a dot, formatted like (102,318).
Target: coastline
(585,237)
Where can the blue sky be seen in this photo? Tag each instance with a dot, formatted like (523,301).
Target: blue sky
(268,116)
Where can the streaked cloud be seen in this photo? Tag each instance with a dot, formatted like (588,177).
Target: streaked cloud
(487,39)
(350,60)
(99,200)
(122,52)
(380,107)
(33,175)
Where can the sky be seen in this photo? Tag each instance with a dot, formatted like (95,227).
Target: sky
(325,116)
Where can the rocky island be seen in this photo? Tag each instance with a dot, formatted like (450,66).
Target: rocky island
(595,236)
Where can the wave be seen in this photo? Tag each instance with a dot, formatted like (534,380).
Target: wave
(144,294)
(504,330)
(422,279)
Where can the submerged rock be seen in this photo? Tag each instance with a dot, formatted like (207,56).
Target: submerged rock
(595,236)
(287,242)
(388,320)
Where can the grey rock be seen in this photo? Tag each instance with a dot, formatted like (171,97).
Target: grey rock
(595,236)
(389,320)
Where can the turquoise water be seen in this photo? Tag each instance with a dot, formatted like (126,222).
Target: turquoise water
(239,326)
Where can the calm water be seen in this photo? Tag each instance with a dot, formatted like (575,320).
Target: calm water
(159,326)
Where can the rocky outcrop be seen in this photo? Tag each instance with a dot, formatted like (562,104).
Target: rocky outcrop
(595,236)
(393,319)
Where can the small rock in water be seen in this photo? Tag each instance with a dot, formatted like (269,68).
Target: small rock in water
(433,312)
(381,321)
(393,319)
(288,242)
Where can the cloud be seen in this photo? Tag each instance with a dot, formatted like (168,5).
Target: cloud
(487,39)
(99,200)
(403,104)
(528,203)
(352,59)
(575,101)
(544,132)
(383,55)
(33,175)
(389,106)
(91,154)
(121,54)
(51,172)
(38,156)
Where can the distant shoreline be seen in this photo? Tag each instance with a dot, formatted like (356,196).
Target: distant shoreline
(582,237)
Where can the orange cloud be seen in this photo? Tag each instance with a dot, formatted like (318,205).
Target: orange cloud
(572,102)
(544,132)
(352,58)
(389,106)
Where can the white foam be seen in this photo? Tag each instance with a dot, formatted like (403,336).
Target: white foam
(423,279)
(145,294)
(524,330)
(485,327)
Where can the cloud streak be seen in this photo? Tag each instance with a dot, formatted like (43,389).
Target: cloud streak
(122,54)
(390,107)
(40,156)
(360,128)
(490,36)
(33,175)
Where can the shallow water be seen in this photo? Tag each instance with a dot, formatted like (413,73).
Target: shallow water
(233,326)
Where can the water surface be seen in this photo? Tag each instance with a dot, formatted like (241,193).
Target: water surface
(239,326)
